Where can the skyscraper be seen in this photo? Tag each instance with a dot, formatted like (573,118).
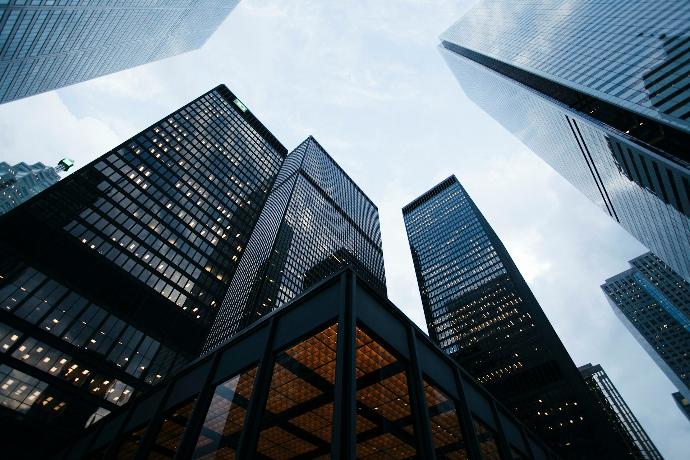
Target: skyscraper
(653,302)
(618,413)
(316,221)
(46,45)
(683,403)
(598,90)
(479,309)
(110,279)
(20,182)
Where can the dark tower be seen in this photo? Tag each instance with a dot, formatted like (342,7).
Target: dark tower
(618,413)
(480,310)
(316,221)
(111,279)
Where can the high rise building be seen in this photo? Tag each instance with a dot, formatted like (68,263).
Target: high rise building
(479,309)
(618,413)
(110,280)
(315,222)
(45,45)
(683,403)
(599,90)
(653,302)
(337,373)
(20,182)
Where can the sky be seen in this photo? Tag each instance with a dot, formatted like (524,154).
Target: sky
(365,78)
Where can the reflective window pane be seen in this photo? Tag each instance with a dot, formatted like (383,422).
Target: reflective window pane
(225,418)
(445,425)
(129,444)
(487,440)
(169,437)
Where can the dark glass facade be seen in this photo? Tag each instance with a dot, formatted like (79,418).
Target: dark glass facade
(480,310)
(653,302)
(339,372)
(48,44)
(315,222)
(618,413)
(110,280)
(551,74)
(20,182)
(683,403)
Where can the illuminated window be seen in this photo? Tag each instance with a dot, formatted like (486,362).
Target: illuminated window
(299,411)
(225,418)
(445,425)
(384,419)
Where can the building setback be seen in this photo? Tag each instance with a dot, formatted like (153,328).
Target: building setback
(110,280)
(479,309)
(20,182)
(619,414)
(653,302)
(338,373)
(47,45)
(315,222)
(551,73)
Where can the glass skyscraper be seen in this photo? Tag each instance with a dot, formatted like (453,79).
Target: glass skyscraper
(111,278)
(315,222)
(654,304)
(600,91)
(48,44)
(618,413)
(20,182)
(479,309)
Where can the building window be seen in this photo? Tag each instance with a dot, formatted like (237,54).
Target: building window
(225,417)
(445,425)
(298,418)
(173,427)
(384,420)
(487,441)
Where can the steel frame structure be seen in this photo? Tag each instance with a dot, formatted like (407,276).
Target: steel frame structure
(351,310)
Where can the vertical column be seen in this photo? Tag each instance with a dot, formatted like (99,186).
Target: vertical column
(501,439)
(417,400)
(252,424)
(153,428)
(199,413)
(466,422)
(344,418)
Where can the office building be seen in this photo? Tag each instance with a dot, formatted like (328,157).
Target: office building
(339,372)
(479,309)
(110,280)
(653,302)
(46,45)
(599,90)
(618,413)
(20,182)
(682,403)
(315,222)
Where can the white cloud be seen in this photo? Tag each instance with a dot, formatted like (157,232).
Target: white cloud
(42,128)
